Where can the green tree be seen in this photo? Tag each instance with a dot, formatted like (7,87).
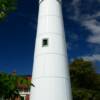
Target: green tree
(23,83)
(6,7)
(85,80)
(8,86)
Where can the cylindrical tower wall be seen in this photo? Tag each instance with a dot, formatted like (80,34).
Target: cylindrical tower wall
(50,69)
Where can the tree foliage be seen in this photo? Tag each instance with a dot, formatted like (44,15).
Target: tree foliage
(6,6)
(9,85)
(85,80)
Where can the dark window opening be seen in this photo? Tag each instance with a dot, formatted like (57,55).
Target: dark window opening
(45,42)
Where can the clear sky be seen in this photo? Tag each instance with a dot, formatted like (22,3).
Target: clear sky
(18,31)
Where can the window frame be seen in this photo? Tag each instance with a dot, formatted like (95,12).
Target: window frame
(45,42)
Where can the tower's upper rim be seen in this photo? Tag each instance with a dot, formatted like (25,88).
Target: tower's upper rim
(40,1)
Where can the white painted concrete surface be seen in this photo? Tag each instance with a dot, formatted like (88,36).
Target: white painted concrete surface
(50,69)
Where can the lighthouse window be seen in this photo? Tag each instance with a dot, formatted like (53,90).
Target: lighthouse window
(45,42)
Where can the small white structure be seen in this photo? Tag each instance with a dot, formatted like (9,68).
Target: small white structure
(24,94)
(50,72)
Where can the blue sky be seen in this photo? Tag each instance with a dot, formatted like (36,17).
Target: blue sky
(18,31)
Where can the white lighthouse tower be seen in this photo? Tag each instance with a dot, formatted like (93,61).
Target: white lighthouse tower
(50,69)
